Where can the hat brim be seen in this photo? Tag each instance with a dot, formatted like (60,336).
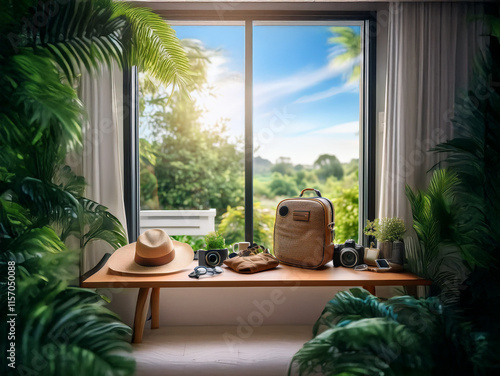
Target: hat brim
(122,261)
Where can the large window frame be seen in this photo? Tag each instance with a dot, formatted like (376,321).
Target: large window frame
(248,18)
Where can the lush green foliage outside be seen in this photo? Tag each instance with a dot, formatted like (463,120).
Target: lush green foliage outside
(233,225)
(188,164)
(271,186)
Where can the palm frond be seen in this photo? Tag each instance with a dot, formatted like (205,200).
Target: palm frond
(47,202)
(349,51)
(83,34)
(348,39)
(69,181)
(38,252)
(77,35)
(13,219)
(442,247)
(154,46)
(38,102)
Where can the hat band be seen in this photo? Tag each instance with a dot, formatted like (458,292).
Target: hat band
(155,261)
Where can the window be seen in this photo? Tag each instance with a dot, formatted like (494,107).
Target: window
(306,123)
(306,81)
(192,144)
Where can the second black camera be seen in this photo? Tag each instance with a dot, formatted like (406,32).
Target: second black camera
(348,254)
(212,258)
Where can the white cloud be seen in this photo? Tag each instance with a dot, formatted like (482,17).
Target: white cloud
(297,82)
(351,127)
(351,87)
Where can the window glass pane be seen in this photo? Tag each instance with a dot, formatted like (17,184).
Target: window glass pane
(306,98)
(191,143)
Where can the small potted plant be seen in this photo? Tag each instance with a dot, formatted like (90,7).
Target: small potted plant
(389,234)
(214,240)
(216,251)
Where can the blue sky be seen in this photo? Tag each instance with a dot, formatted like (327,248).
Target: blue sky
(303,105)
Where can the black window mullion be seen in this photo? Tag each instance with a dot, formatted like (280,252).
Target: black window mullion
(248,131)
(368,168)
(131,151)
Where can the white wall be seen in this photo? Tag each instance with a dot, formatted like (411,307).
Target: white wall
(231,306)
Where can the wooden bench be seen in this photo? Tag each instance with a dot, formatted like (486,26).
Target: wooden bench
(283,275)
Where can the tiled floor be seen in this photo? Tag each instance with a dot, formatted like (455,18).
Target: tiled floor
(219,350)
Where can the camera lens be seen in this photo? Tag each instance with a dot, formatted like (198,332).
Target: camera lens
(349,257)
(212,259)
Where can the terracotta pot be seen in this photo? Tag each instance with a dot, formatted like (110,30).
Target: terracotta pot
(385,250)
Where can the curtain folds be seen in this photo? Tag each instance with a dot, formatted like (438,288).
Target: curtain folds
(431,48)
(101,159)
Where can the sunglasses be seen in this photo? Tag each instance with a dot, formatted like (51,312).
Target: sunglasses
(204,270)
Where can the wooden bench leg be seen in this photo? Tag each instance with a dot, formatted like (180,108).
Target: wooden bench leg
(155,308)
(370,289)
(140,314)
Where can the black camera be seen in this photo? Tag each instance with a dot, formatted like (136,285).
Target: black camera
(212,257)
(348,254)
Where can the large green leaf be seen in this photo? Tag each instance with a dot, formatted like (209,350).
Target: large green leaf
(70,330)
(369,346)
(37,102)
(360,334)
(153,45)
(95,223)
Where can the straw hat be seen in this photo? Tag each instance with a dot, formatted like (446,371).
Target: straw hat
(154,253)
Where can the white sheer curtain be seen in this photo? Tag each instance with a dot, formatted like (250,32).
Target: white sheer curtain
(101,160)
(430,55)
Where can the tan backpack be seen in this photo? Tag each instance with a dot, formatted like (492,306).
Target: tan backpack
(303,231)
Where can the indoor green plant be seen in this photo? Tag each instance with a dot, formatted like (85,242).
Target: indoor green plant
(389,234)
(214,240)
(44,46)
(457,222)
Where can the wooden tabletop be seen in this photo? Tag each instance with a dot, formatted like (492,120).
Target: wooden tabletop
(283,275)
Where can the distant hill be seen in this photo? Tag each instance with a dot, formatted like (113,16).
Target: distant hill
(261,166)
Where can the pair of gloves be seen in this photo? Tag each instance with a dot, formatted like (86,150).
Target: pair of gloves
(252,260)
